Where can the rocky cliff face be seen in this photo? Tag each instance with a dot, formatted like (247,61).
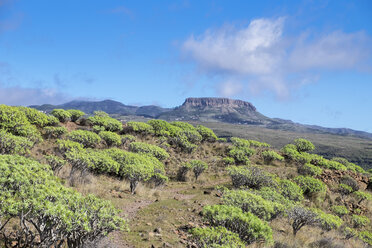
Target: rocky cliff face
(217,102)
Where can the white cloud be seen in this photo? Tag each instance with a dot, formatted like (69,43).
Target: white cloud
(264,58)
(30,96)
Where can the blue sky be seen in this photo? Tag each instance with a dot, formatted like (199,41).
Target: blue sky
(308,61)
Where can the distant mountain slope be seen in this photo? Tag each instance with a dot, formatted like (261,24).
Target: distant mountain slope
(206,109)
(109,106)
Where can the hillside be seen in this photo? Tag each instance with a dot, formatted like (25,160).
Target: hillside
(170,184)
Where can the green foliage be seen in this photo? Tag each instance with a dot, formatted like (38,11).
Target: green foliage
(111,138)
(253,203)
(291,190)
(345,189)
(181,141)
(35,117)
(300,216)
(198,167)
(339,210)
(350,182)
(75,114)
(290,153)
(11,144)
(189,131)
(366,236)
(140,127)
(362,196)
(332,165)
(215,237)
(206,133)
(149,149)
(248,226)
(238,142)
(327,221)
(275,196)
(86,138)
(241,154)
(310,185)
(135,167)
(163,128)
(127,138)
(98,129)
(303,145)
(52,120)
(102,119)
(350,233)
(269,156)
(252,177)
(56,163)
(54,132)
(360,220)
(309,170)
(68,145)
(222,140)
(61,114)
(228,161)
(350,166)
(58,215)
(15,121)
(255,143)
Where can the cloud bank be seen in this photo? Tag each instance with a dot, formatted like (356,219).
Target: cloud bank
(261,57)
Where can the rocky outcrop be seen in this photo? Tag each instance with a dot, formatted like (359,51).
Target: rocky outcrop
(217,102)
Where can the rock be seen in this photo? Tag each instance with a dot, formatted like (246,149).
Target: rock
(207,192)
(157,230)
(151,234)
(149,224)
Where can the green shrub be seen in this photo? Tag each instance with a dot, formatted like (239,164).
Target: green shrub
(252,177)
(310,185)
(228,161)
(140,127)
(248,226)
(344,189)
(75,114)
(152,150)
(127,138)
(349,181)
(253,203)
(52,120)
(98,129)
(238,142)
(291,190)
(86,138)
(269,156)
(102,119)
(241,154)
(214,237)
(222,140)
(35,117)
(198,167)
(189,131)
(54,132)
(339,210)
(206,133)
(332,165)
(59,216)
(366,236)
(362,196)
(255,143)
(275,196)
(181,141)
(309,170)
(15,121)
(327,221)
(360,220)
(303,145)
(68,145)
(350,233)
(56,163)
(61,114)
(348,165)
(11,144)
(111,138)
(135,167)
(163,128)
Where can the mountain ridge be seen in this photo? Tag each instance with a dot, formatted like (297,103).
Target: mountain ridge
(204,109)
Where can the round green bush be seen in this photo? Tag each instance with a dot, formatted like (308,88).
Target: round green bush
(309,170)
(152,150)
(360,220)
(310,185)
(291,190)
(214,237)
(86,138)
(102,119)
(61,114)
(75,114)
(269,156)
(54,132)
(111,138)
(303,145)
(340,210)
(249,176)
